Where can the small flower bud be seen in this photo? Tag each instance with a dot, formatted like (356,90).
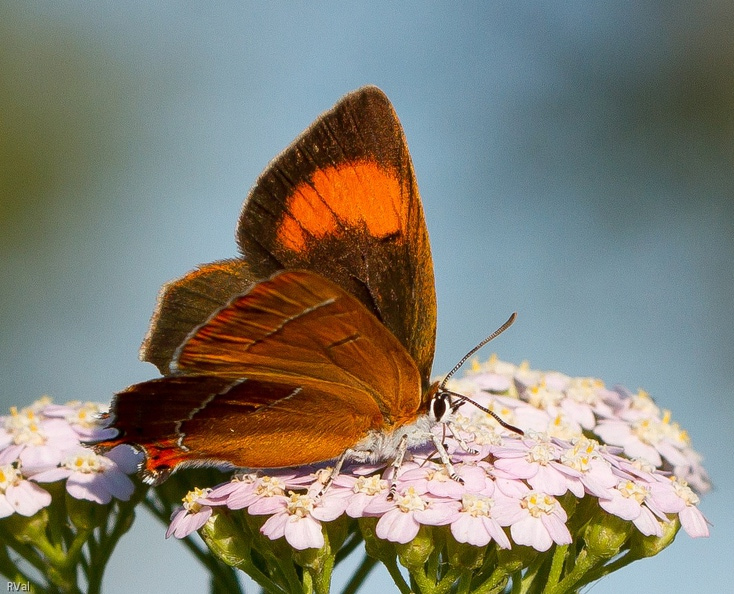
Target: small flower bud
(225,538)
(648,546)
(466,556)
(606,534)
(414,554)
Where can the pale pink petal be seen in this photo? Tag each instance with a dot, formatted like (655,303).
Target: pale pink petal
(126,458)
(27,498)
(693,522)
(268,505)
(548,480)
(304,533)
(623,507)
(516,467)
(397,526)
(274,526)
(176,519)
(190,523)
(557,530)
(532,533)
(647,523)
(37,458)
(85,486)
(117,484)
(330,508)
(495,531)
(10,454)
(5,508)
(470,530)
(436,514)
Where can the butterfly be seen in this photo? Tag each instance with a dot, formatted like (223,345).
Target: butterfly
(317,343)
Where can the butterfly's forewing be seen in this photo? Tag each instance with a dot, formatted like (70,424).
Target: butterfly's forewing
(321,372)
(343,201)
(187,302)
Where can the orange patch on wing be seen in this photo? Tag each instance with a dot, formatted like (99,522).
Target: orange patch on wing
(357,194)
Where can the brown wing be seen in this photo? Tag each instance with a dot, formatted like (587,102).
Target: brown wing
(208,419)
(187,302)
(343,201)
(304,330)
(321,373)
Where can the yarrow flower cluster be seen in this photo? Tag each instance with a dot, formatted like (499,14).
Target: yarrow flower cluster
(589,455)
(600,478)
(42,443)
(62,506)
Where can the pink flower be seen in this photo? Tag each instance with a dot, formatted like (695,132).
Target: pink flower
(584,401)
(37,441)
(192,516)
(595,475)
(360,490)
(675,496)
(542,522)
(536,461)
(17,495)
(298,518)
(94,477)
(84,417)
(436,480)
(401,518)
(627,501)
(481,517)
(508,481)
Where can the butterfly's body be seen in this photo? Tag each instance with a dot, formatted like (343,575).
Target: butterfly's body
(317,343)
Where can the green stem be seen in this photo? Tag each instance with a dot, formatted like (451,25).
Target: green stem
(496,582)
(556,568)
(600,572)
(10,570)
(262,580)
(100,552)
(464,584)
(524,583)
(584,563)
(322,576)
(516,582)
(448,580)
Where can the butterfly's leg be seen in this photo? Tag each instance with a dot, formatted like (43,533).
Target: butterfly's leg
(445,460)
(396,464)
(455,434)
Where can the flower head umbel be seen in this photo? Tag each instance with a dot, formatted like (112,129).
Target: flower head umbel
(605,471)
(43,443)
(590,457)
(57,496)
(94,477)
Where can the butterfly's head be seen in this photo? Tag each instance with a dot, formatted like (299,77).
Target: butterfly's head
(442,403)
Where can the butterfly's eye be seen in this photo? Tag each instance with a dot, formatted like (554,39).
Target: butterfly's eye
(440,407)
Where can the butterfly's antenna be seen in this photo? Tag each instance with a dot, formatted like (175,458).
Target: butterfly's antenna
(494,415)
(461,398)
(492,336)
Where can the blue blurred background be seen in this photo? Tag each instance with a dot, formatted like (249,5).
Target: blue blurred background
(575,163)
